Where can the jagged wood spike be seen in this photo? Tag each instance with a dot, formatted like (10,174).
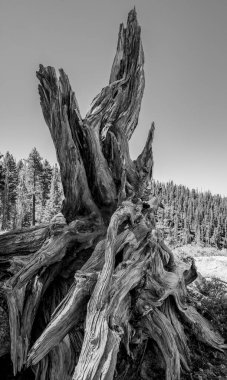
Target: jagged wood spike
(57,102)
(127,71)
(144,162)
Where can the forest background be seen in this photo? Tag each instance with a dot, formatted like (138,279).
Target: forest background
(31,193)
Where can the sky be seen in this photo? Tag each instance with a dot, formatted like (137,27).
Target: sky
(185,93)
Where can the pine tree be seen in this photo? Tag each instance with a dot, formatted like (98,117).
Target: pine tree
(2,175)
(2,184)
(175,228)
(9,194)
(46,181)
(53,205)
(30,192)
(23,209)
(34,183)
(201,217)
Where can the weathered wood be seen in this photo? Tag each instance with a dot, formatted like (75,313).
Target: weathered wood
(67,314)
(128,74)
(60,107)
(53,250)
(26,288)
(88,298)
(85,170)
(100,363)
(23,241)
(144,162)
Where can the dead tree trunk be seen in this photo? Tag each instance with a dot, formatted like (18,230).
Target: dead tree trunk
(90,295)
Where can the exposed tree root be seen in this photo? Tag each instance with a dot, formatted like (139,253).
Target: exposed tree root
(98,295)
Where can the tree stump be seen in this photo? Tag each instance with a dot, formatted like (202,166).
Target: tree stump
(95,293)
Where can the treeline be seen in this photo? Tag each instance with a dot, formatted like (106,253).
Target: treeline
(30,191)
(190,216)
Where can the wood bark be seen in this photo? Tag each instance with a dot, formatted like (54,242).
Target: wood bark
(92,294)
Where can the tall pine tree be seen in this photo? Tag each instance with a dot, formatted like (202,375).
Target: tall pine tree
(34,184)
(23,208)
(46,181)
(53,205)
(2,175)
(9,194)
(2,184)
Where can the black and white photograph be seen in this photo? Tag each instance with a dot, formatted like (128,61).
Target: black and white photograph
(113,190)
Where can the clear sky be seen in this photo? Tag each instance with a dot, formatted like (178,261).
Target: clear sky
(185,46)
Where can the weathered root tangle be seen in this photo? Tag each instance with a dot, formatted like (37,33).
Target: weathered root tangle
(129,277)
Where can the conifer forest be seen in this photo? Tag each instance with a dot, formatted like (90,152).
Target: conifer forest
(31,193)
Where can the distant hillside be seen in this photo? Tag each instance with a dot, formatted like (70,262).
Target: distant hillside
(191,216)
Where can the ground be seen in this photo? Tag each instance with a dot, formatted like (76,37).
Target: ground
(206,294)
(210,262)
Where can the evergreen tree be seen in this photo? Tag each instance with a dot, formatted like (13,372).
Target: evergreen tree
(175,228)
(2,184)
(20,165)
(53,205)
(23,209)
(31,192)
(2,175)
(192,216)
(46,181)
(34,184)
(9,194)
